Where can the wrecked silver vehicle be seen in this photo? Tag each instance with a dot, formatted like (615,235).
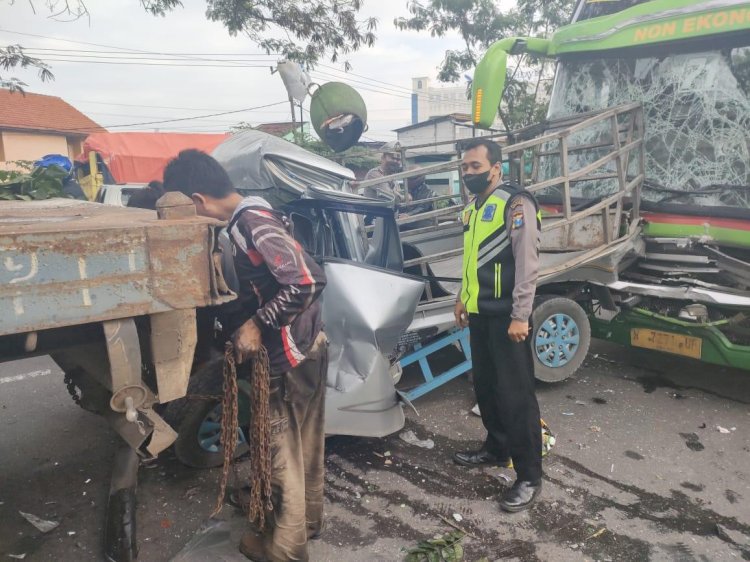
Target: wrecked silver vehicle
(367,304)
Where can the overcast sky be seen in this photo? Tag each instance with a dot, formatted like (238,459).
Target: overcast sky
(115,94)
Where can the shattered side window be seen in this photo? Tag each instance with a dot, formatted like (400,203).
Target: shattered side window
(697,120)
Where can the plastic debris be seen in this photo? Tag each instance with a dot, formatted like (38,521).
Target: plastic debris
(475,410)
(722,429)
(88,481)
(43,525)
(411,438)
(595,428)
(580,403)
(457,517)
(17,556)
(71,533)
(568,414)
(505,477)
(387,454)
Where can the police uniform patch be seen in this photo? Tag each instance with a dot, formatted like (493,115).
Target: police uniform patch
(466,217)
(489,213)
(517,220)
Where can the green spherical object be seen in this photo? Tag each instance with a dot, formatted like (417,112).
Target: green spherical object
(338,114)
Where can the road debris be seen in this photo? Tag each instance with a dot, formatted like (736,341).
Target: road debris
(597,534)
(17,556)
(458,517)
(595,428)
(568,414)
(411,438)
(43,525)
(722,429)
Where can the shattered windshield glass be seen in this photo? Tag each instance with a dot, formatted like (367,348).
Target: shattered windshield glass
(697,120)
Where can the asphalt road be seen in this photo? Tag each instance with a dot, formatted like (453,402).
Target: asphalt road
(640,472)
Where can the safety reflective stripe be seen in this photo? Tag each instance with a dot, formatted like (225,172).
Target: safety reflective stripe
(498,284)
(490,256)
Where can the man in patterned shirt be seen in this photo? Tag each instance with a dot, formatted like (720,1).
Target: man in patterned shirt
(279,289)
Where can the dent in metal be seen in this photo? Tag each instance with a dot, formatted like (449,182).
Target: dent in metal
(365,311)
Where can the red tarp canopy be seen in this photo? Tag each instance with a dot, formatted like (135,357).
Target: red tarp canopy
(142,157)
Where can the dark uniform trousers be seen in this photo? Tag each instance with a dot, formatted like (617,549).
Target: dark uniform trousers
(503,374)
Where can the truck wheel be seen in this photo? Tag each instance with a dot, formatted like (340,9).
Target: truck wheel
(560,340)
(199,428)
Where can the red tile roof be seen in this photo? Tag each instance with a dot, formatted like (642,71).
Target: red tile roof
(278,129)
(43,113)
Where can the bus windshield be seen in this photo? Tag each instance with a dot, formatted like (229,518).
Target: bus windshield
(697,119)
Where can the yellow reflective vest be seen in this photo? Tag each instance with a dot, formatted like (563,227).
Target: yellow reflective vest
(489,272)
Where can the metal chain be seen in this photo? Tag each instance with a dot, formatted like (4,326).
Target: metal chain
(71,386)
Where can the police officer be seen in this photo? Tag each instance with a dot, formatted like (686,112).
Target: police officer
(500,264)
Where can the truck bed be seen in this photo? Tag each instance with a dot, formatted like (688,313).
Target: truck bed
(67,262)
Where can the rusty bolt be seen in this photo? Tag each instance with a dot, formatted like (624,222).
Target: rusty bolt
(175,205)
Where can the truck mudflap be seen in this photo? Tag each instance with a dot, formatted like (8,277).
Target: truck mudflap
(365,310)
(645,329)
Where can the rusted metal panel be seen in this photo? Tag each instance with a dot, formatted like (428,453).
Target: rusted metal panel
(173,339)
(66,262)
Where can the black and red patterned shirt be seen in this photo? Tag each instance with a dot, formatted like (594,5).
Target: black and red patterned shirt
(279,282)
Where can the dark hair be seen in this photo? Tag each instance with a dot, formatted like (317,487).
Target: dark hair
(194,171)
(494,153)
(147,197)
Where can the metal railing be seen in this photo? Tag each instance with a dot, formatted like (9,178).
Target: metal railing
(605,216)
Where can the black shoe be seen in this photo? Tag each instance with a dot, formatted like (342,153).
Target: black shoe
(520,496)
(478,458)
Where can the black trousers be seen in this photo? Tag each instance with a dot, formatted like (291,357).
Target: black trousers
(504,386)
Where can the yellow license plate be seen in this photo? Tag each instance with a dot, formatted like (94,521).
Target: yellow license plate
(665,341)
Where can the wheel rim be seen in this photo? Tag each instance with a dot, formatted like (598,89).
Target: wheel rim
(557,340)
(209,432)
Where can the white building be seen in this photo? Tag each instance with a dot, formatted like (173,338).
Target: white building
(428,102)
(441,133)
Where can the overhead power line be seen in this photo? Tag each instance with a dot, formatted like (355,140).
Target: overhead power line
(182,118)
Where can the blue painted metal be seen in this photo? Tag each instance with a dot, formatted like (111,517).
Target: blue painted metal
(65,262)
(420,355)
(209,432)
(556,341)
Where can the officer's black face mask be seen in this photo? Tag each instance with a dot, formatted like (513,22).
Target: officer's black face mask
(477,183)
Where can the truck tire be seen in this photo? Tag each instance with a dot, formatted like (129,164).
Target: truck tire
(560,339)
(199,422)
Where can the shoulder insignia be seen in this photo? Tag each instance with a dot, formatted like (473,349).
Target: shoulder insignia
(489,212)
(516,220)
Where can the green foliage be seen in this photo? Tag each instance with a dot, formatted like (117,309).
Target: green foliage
(13,56)
(445,548)
(42,183)
(301,31)
(480,23)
